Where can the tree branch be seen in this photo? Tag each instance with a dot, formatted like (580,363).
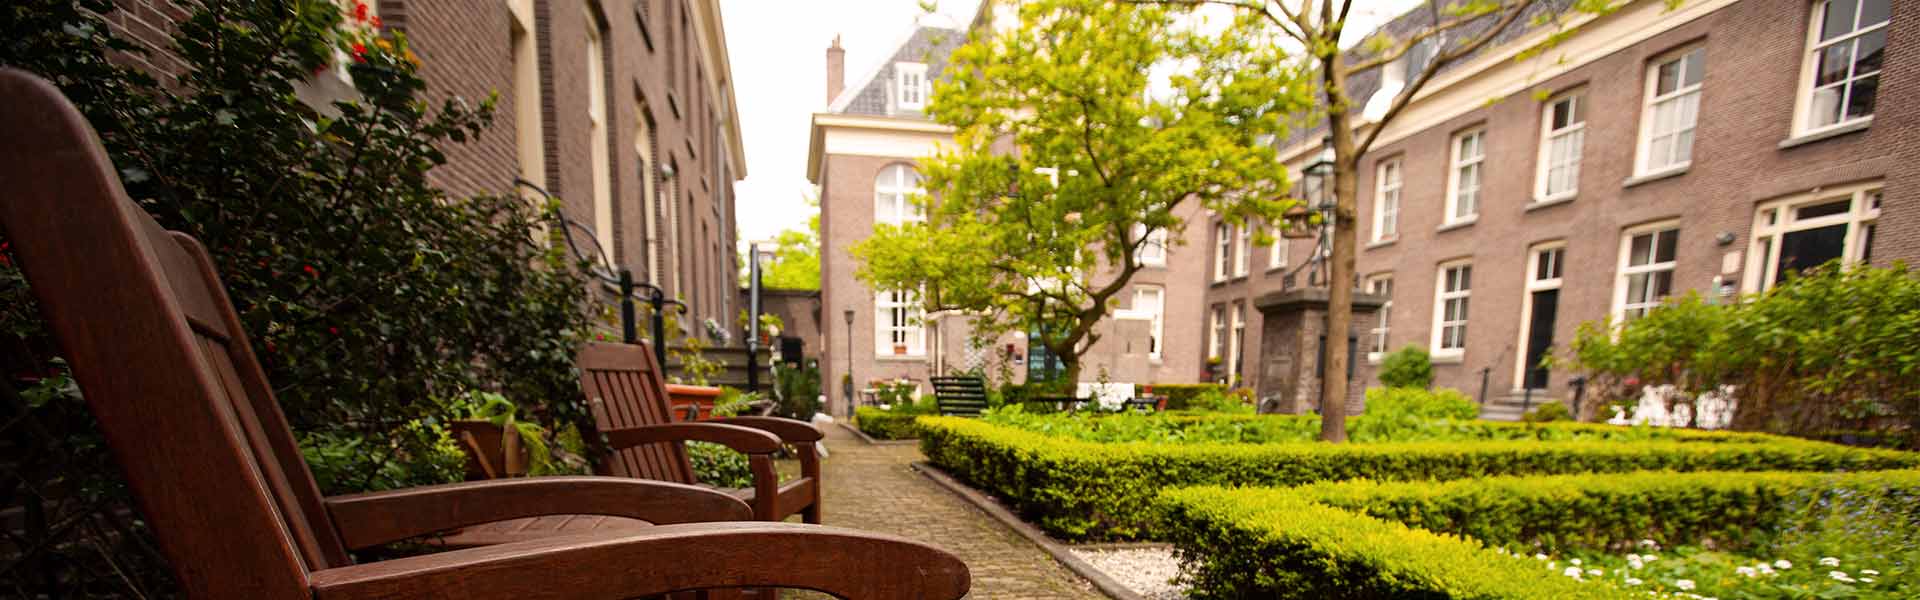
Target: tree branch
(1440,61)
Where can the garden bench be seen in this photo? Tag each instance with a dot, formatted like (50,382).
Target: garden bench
(963,396)
(169,374)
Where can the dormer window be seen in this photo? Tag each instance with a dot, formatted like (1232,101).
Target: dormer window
(911,87)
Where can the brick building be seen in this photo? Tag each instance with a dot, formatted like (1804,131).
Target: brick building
(622,108)
(862,157)
(1653,153)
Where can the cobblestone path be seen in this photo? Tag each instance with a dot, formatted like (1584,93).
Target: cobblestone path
(874,488)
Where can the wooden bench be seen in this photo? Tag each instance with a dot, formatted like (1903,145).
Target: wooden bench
(963,395)
(166,369)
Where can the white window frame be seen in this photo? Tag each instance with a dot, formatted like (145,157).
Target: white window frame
(894,190)
(1810,71)
(911,86)
(1643,160)
(599,159)
(1458,163)
(1774,219)
(1576,131)
(1557,250)
(1441,296)
(1156,312)
(890,308)
(1223,249)
(1243,247)
(1277,253)
(1152,251)
(1388,178)
(1237,342)
(1626,271)
(1377,336)
(1216,332)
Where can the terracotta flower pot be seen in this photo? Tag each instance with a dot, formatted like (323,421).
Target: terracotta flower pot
(700,397)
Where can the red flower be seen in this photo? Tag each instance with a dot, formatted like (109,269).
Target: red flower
(359,11)
(333,330)
(359,52)
(310,271)
(269,346)
(376,22)
(263,262)
(1633,381)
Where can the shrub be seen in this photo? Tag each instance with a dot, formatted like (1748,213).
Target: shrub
(1547,413)
(719,466)
(883,424)
(1084,490)
(1238,401)
(1408,367)
(1553,514)
(798,390)
(1269,543)
(1180,395)
(1417,403)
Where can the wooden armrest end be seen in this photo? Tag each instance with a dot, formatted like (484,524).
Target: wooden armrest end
(741,439)
(842,562)
(375,518)
(789,430)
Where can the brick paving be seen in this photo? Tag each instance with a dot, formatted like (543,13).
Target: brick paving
(874,488)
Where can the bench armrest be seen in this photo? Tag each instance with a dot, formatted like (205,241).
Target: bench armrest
(789,430)
(744,440)
(375,518)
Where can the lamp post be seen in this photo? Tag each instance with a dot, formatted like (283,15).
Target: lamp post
(846,381)
(1316,191)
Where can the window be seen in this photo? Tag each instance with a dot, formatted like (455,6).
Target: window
(1802,232)
(1219,329)
(1152,250)
(1386,200)
(912,85)
(526,96)
(671,201)
(1646,270)
(643,142)
(897,330)
(603,215)
(1277,254)
(1463,185)
(1245,246)
(1563,128)
(1223,236)
(1673,105)
(893,195)
(1842,71)
(1454,287)
(1380,285)
(1151,301)
(1237,343)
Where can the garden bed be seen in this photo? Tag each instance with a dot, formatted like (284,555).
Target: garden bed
(1614,535)
(1079,490)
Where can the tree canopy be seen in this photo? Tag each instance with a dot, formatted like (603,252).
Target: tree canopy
(796,258)
(1070,154)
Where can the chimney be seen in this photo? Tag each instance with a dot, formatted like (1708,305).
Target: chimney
(836,70)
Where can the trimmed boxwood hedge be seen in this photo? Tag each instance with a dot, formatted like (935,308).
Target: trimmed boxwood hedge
(1269,543)
(1604,512)
(1083,490)
(1304,542)
(886,424)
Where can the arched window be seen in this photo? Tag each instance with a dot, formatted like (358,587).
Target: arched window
(893,193)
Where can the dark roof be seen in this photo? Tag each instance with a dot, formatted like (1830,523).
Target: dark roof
(1363,84)
(929,45)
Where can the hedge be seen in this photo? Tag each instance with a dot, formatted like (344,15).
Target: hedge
(1268,543)
(1552,514)
(886,424)
(1179,395)
(1083,490)
(1366,429)
(1315,542)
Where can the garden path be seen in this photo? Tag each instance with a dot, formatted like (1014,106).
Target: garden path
(874,487)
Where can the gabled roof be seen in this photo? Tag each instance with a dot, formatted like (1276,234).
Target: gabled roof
(872,96)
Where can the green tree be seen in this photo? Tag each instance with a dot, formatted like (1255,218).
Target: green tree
(1068,158)
(1307,35)
(796,257)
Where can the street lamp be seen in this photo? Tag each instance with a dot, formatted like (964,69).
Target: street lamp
(1316,199)
(846,381)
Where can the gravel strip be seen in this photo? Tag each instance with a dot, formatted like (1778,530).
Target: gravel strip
(1147,571)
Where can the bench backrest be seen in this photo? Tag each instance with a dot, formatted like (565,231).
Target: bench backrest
(960,395)
(160,356)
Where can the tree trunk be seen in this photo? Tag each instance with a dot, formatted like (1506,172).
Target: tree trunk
(1333,381)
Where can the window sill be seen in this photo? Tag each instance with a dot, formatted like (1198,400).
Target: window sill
(900,357)
(1460,224)
(1826,134)
(1450,358)
(1382,243)
(1656,176)
(1537,204)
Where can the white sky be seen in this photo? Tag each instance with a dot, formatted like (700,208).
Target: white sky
(778,49)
